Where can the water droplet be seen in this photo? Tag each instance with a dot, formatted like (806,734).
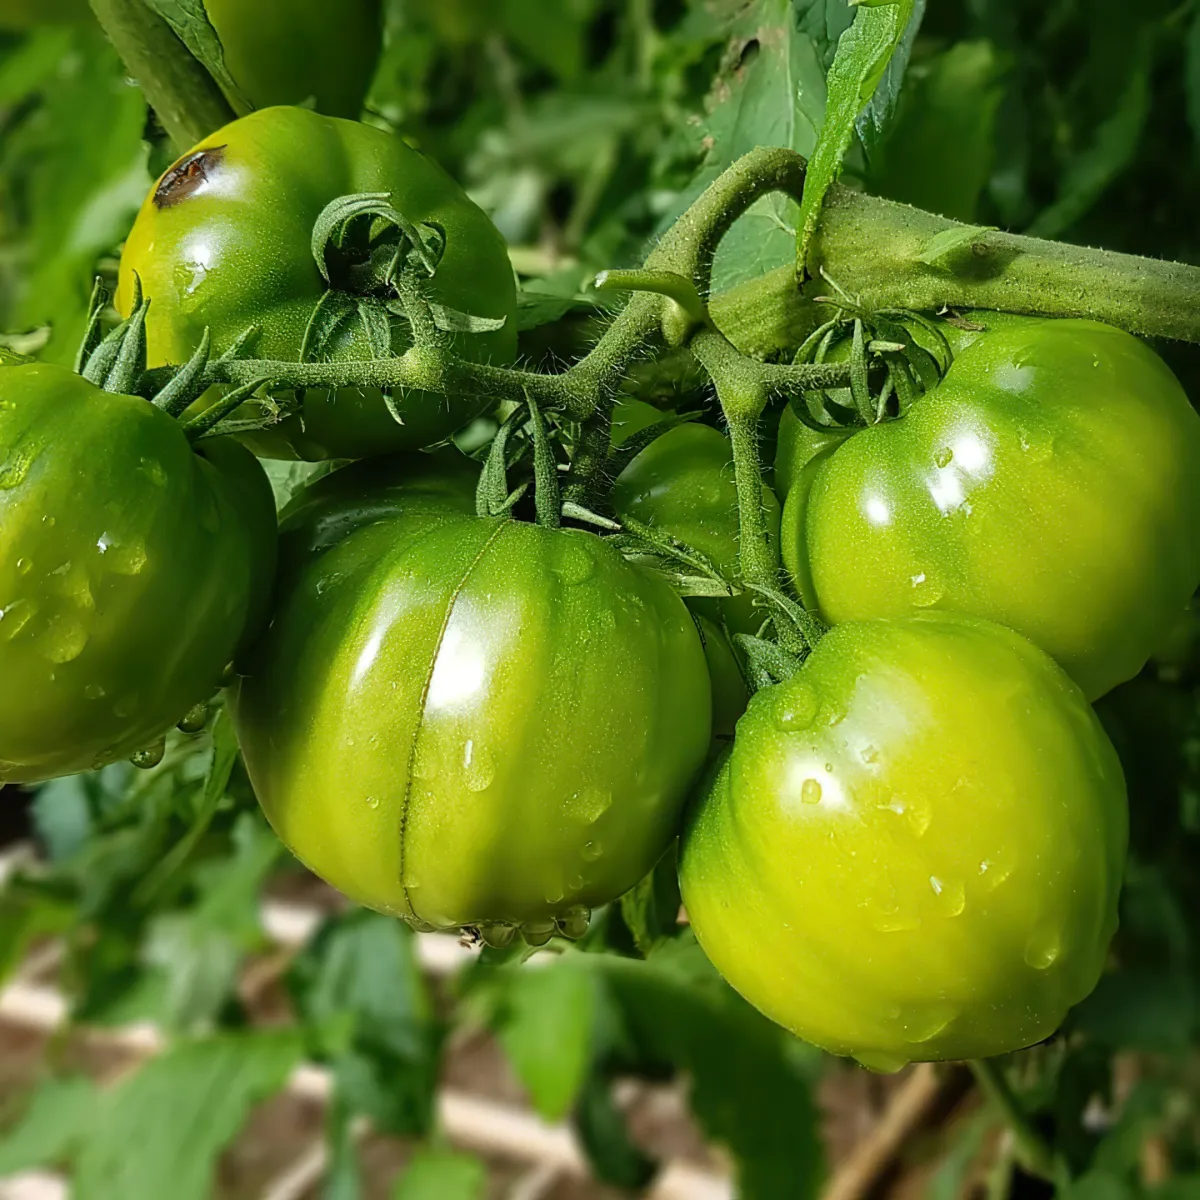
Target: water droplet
(24,566)
(94,691)
(372,801)
(63,640)
(574,922)
(924,1023)
(1038,444)
(894,920)
(15,617)
(994,870)
(15,468)
(538,933)
(591,804)
(497,934)
(148,759)
(195,719)
(126,706)
(153,471)
(926,592)
(797,708)
(883,1062)
(555,891)
(592,851)
(810,792)
(944,457)
(920,813)
(573,564)
(104,543)
(128,559)
(1044,949)
(951,895)
(869,755)
(917,580)
(210,519)
(49,521)
(479,768)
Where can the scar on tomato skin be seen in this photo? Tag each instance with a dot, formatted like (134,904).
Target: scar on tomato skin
(187,176)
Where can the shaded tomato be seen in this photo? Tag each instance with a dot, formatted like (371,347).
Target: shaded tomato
(224,242)
(131,567)
(915,847)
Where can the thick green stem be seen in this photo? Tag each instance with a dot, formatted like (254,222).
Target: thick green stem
(894,256)
(758,562)
(1033,1152)
(185,96)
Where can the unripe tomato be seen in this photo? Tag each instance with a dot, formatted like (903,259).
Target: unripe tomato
(224,241)
(1050,483)
(130,568)
(400,486)
(915,847)
(476,723)
(683,484)
(276,51)
(294,51)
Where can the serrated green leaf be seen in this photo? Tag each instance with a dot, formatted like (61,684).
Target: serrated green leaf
(159,1132)
(189,20)
(59,1118)
(864,52)
(545,1024)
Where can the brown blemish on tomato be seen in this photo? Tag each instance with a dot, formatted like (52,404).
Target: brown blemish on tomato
(187,176)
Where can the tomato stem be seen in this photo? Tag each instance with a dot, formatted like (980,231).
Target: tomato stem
(184,95)
(894,256)
(1033,1151)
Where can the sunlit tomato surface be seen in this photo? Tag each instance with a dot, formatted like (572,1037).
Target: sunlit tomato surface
(915,847)
(295,51)
(130,568)
(1051,483)
(477,723)
(224,241)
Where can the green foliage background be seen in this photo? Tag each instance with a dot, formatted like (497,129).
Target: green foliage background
(584,127)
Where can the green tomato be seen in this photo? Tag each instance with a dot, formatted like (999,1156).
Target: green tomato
(1051,483)
(683,484)
(293,51)
(224,242)
(476,723)
(276,51)
(26,14)
(379,489)
(915,847)
(131,566)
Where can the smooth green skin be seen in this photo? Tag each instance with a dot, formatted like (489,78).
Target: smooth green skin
(465,722)
(236,252)
(1051,483)
(26,14)
(915,848)
(130,567)
(683,484)
(797,445)
(295,51)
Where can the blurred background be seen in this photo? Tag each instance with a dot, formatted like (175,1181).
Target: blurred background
(184,1013)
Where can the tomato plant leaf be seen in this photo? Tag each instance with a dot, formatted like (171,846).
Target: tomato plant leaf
(180,1111)
(864,53)
(189,20)
(442,1175)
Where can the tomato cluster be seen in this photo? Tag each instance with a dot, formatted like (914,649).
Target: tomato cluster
(907,843)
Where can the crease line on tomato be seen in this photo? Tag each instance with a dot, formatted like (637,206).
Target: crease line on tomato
(412,754)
